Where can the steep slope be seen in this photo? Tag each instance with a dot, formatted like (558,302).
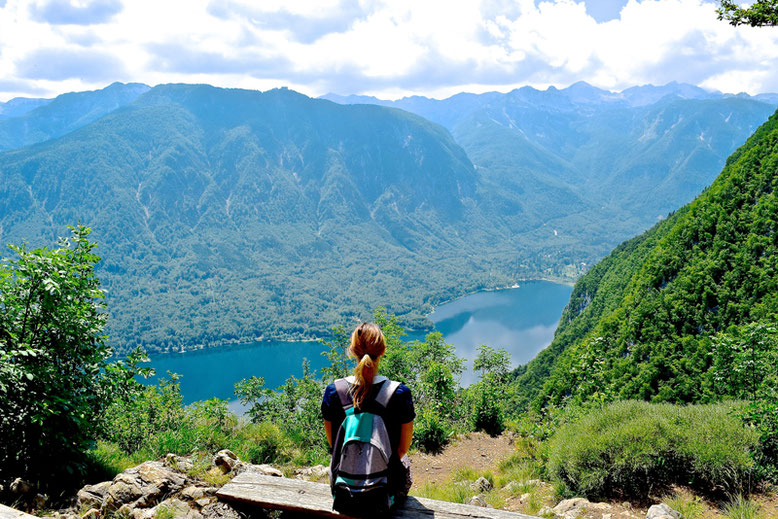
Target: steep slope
(229,214)
(628,158)
(61,115)
(638,325)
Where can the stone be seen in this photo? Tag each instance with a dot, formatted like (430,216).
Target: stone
(219,510)
(92,513)
(524,498)
(481,485)
(39,501)
(179,463)
(192,493)
(210,491)
(92,495)
(572,508)
(315,473)
(142,486)
(546,511)
(477,501)
(205,501)
(19,486)
(226,460)
(267,470)
(662,511)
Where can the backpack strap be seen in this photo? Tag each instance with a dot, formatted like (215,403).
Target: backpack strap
(341,386)
(386,392)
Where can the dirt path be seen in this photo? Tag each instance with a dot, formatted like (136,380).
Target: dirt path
(477,451)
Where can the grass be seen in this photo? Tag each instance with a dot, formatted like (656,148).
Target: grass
(742,508)
(689,505)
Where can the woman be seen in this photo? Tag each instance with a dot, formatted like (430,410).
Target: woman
(367,347)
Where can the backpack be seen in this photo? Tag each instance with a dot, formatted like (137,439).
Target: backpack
(359,471)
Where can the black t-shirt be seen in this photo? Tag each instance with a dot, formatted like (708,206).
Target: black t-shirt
(399,411)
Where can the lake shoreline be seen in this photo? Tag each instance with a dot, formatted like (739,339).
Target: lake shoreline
(237,343)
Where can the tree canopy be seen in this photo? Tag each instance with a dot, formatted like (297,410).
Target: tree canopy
(759,14)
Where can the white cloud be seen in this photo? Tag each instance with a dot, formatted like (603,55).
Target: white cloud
(384,47)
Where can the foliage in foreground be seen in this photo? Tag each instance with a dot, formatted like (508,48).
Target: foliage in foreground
(634,449)
(55,381)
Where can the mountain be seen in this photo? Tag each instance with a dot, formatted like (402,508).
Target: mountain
(231,215)
(640,323)
(24,125)
(630,157)
(20,106)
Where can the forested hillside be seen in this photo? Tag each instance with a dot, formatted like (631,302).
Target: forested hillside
(648,320)
(226,214)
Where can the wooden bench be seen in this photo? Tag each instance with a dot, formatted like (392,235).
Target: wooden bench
(307,498)
(6,512)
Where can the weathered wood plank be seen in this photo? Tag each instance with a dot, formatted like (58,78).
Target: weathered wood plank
(6,512)
(315,499)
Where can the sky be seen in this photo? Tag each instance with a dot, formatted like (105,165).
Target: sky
(388,48)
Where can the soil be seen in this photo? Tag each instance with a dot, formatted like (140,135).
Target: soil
(477,451)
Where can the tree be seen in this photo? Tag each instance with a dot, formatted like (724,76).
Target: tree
(759,14)
(55,381)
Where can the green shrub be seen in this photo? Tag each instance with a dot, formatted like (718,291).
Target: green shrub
(430,432)
(263,443)
(55,381)
(631,449)
(487,413)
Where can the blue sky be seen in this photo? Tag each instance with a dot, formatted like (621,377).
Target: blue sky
(388,48)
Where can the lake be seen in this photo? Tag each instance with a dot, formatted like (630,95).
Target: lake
(521,320)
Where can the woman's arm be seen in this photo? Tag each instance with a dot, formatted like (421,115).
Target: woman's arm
(406,436)
(328,431)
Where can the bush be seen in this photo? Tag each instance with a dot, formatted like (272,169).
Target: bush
(430,432)
(263,443)
(633,449)
(55,382)
(487,414)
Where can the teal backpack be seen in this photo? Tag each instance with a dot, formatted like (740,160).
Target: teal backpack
(359,471)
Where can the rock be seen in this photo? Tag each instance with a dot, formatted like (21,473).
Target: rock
(92,513)
(210,491)
(477,501)
(205,501)
(92,495)
(662,511)
(546,511)
(39,501)
(481,485)
(265,470)
(192,493)
(179,463)
(141,487)
(19,486)
(219,510)
(524,498)
(226,460)
(572,508)
(315,473)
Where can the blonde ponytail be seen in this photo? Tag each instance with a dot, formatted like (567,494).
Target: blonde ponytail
(367,345)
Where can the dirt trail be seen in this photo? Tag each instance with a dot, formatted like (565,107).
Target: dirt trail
(477,451)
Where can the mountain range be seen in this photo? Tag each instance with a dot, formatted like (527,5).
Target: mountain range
(228,215)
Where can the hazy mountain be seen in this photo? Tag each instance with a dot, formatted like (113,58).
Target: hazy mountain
(20,106)
(637,154)
(30,121)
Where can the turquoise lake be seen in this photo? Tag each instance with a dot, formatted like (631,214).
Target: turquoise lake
(521,320)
